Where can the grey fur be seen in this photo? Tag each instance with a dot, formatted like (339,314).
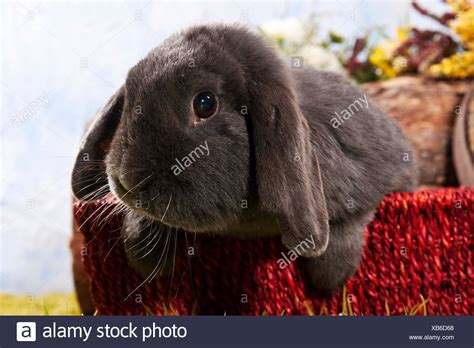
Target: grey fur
(300,176)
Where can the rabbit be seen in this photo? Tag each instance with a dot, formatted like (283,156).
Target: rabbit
(214,132)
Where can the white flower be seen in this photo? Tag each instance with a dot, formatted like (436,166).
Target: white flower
(290,29)
(320,58)
(389,47)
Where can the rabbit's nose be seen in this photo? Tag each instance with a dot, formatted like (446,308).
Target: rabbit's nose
(126,184)
(132,181)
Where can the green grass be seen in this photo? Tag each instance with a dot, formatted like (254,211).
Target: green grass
(66,304)
(47,304)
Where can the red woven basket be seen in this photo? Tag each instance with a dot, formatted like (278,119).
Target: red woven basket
(418,260)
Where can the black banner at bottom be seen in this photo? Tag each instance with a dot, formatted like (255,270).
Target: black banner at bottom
(399,332)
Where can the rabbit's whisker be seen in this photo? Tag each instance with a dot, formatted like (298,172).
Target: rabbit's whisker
(113,246)
(141,182)
(174,259)
(119,208)
(151,274)
(99,208)
(167,207)
(91,194)
(115,207)
(162,264)
(143,240)
(154,245)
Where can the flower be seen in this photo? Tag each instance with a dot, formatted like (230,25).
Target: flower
(320,58)
(464,27)
(460,65)
(298,38)
(289,30)
(403,33)
(381,57)
(459,5)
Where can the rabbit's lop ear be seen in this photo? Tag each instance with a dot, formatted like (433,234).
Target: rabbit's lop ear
(89,180)
(287,168)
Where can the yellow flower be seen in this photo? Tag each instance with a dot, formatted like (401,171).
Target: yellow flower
(463,24)
(464,27)
(403,33)
(460,5)
(459,66)
(381,59)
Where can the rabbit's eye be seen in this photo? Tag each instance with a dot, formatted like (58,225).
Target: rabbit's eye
(205,105)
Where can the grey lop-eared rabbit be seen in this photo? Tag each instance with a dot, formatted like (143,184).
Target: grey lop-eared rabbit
(305,150)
